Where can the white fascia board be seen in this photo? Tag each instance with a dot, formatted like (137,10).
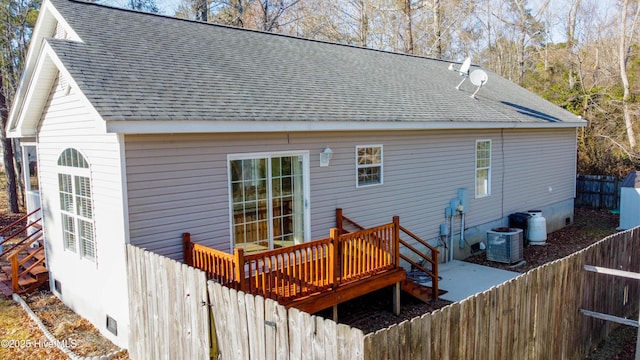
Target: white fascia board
(45,27)
(22,116)
(29,114)
(178,126)
(71,34)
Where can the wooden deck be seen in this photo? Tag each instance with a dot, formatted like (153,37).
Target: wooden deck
(315,275)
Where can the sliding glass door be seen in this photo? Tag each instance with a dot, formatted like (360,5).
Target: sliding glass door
(268,199)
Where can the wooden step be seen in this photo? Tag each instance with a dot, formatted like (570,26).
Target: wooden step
(5,277)
(7,270)
(37,251)
(38,270)
(26,281)
(420,292)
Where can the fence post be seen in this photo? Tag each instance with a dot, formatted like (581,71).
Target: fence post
(239,260)
(187,252)
(396,241)
(339,220)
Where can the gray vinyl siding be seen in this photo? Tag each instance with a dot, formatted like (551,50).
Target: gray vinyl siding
(178,183)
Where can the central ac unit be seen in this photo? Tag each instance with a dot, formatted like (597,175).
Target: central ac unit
(504,245)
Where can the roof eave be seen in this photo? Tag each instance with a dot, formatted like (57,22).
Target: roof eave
(187,126)
(45,26)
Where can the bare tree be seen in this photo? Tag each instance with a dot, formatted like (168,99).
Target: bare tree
(7,154)
(628,26)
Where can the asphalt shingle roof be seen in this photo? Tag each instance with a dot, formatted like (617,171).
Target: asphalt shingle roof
(137,66)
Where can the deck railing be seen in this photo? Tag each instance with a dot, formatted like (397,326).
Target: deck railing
(293,272)
(218,265)
(369,251)
(430,260)
(18,233)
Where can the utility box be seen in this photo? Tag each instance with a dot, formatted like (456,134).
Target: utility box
(630,201)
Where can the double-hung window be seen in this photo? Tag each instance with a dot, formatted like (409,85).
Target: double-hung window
(483,168)
(76,204)
(368,165)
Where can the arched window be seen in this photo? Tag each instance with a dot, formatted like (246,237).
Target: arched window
(76,205)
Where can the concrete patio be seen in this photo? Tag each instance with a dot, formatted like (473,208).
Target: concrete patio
(462,279)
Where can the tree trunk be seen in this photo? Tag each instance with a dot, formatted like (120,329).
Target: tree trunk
(437,28)
(7,154)
(622,53)
(408,12)
(364,24)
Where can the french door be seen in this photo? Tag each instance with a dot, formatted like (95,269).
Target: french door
(268,200)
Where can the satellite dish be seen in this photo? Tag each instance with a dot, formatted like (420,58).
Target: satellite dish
(464,69)
(478,78)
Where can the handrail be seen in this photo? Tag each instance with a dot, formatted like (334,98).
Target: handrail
(29,239)
(8,227)
(433,260)
(16,263)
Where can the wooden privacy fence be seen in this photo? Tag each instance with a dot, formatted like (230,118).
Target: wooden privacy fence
(255,328)
(168,308)
(534,316)
(598,191)
(170,318)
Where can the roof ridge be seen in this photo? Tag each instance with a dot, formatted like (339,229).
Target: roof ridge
(256,31)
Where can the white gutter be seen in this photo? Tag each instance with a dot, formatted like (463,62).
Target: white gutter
(188,126)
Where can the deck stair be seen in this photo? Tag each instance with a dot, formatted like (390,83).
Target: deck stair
(22,261)
(428,265)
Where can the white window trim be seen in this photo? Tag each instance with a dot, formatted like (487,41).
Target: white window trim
(358,147)
(82,172)
(475,177)
(269,155)
(25,166)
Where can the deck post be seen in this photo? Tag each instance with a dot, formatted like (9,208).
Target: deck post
(396,241)
(396,298)
(187,253)
(339,220)
(334,263)
(239,265)
(14,271)
(434,270)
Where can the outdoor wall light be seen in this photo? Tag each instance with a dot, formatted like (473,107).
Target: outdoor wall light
(325,156)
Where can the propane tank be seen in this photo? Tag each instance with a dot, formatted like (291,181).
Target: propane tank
(536,228)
